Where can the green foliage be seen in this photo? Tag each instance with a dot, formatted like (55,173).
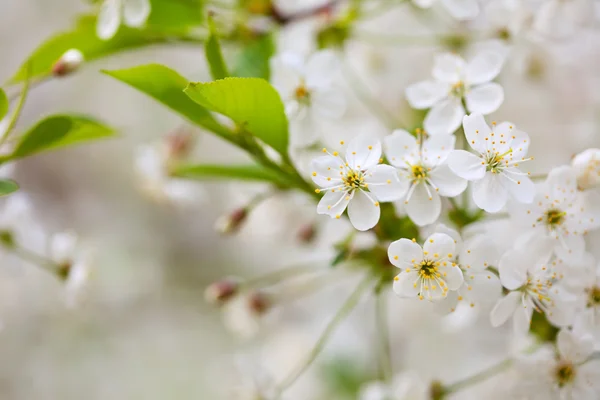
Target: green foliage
(166,86)
(253,60)
(3,104)
(250,102)
(58,131)
(345,377)
(542,328)
(214,55)
(236,172)
(8,186)
(175,15)
(392,227)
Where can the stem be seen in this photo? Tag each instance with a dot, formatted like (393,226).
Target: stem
(15,117)
(479,377)
(385,352)
(538,177)
(275,277)
(341,315)
(35,258)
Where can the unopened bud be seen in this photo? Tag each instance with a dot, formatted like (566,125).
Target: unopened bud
(67,63)
(259,302)
(179,143)
(218,293)
(231,223)
(307,233)
(587,168)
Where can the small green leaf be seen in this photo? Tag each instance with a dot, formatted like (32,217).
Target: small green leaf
(8,186)
(214,56)
(237,172)
(251,102)
(175,15)
(166,86)
(253,61)
(3,104)
(59,131)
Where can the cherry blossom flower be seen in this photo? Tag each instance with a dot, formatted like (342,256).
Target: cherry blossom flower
(567,374)
(426,272)
(561,19)
(358,183)
(308,91)
(456,82)
(494,169)
(459,9)
(587,167)
(405,386)
(422,167)
(132,13)
(534,286)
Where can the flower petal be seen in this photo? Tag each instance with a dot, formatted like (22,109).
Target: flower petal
(406,284)
(326,171)
(489,194)
(425,94)
(404,253)
(462,9)
(328,103)
(424,205)
(287,71)
(476,132)
(504,308)
(437,148)
(448,68)
(572,348)
(136,12)
(485,287)
(485,98)
(466,165)
(522,319)
(363,152)
(444,118)
(333,203)
(363,211)
(322,68)
(439,246)
(484,67)
(479,253)
(570,246)
(513,269)
(519,186)
(384,183)
(447,183)
(453,276)
(109,19)
(399,145)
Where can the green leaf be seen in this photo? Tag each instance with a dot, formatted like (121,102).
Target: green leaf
(3,104)
(8,186)
(253,61)
(251,102)
(59,131)
(175,15)
(237,172)
(214,56)
(83,37)
(166,86)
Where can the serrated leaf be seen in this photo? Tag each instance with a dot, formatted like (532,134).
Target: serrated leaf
(59,131)
(3,104)
(237,172)
(252,103)
(253,60)
(166,86)
(8,186)
(214,55)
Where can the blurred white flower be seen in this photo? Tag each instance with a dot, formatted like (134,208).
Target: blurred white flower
(587,168)
(563,18)
(254,382)
(358,183)
(243,314)
(405,386)
(457,82)
(132,13)
(308,91)
(459,9)
(494,169)
(422,167)
(426,272)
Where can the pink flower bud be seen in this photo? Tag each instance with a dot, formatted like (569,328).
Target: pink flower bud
(231,223)
(259,302)
(67,63)
(218,293)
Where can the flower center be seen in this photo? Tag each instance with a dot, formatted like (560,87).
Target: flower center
(458,89)
(63,270)
(419,173)
(496,162)
(553,217)
(538,290)
(354,180)
(593,299)
(565,373)
(302,94)
(428,270)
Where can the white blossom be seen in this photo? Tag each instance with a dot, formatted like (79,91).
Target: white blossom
(359,182)
(459,9)
(132,13)
(457,81)
(405,386)
(587,168)
(426,272)
(494,169)
(422,167)
(308,91)
(560,19)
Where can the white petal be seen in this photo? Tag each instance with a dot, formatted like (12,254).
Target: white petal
(448,304)
(462,9)
(363,212)
(384,183)
(513,270)
(329,103)
(454,276)
(333,203)
(449,68)
(437,148)
(62,247)
(447,182)
(478,253)
(489,194)
(440,244)
(484,67)
(570,247)
(504,308)
(444,118)
(363,152)
(136,12)
(404,253)
(485,287)
(374,391)
(466,165)
(109,19)
(425,94)
(399,145)
(321,68)
(522,319)
(485,98)
(424,206)
(405,286)
(423,3)
(287,71)
(326,171)
(520,187)
(476,130)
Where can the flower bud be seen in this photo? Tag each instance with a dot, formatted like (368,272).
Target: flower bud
(179,144)
(306,233)
(587,167)
(69,62)
(231,223)
(218,293)
(259,302)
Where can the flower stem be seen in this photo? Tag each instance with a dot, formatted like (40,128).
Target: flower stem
(275,277)
(36,258)
(17,113)
(479,377)
(341,315)
(382,326)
